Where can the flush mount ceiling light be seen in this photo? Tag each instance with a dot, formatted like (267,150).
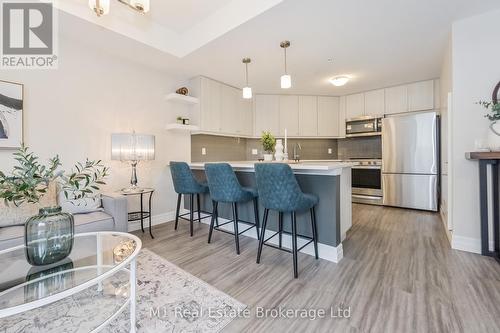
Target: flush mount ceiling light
(339,81)
(101,7)
(247,90)
(286,80)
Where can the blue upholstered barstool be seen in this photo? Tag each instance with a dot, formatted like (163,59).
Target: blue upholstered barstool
(185,183)
(279,190)
(224,187)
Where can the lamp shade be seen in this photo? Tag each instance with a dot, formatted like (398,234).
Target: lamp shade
(132,147)
(286,81)
(247,93)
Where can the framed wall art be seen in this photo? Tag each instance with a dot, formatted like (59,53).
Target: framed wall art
(11,114)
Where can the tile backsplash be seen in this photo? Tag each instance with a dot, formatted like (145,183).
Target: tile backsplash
(218,148)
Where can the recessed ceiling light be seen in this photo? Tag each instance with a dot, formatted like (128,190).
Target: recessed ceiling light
(339,81)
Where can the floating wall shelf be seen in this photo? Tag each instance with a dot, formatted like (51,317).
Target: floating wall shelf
(180,127)
(178,98)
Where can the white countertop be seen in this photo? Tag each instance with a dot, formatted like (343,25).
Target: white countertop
(327,167)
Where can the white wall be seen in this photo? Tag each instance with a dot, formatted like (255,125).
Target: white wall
(73,110)
(475,53)
(445,88)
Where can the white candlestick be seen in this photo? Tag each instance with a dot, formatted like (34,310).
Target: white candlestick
(286,139)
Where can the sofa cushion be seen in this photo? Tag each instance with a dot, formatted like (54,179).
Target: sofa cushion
(11,232)
(11,215)
(103,221)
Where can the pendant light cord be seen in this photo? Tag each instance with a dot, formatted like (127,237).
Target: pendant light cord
(246,73)
(286,73)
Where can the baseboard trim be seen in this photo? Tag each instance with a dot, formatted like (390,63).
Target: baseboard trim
(467,244)
(326,252)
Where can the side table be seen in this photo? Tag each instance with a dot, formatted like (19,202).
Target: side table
(142,214)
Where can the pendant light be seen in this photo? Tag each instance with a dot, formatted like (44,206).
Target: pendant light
(286,80)
(247,90)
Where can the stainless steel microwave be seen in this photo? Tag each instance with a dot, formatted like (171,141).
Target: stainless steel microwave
(363,126)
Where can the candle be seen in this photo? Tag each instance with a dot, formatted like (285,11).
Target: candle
(286,144)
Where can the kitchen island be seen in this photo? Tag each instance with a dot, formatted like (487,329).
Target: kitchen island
(329,180)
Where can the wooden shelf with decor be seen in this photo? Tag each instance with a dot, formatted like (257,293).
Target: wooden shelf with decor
(178,98)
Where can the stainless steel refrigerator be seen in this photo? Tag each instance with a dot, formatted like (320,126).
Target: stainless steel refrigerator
(410,167)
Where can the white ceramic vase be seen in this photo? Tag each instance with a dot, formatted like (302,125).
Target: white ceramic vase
(279,155)
(494,136)
(268,157)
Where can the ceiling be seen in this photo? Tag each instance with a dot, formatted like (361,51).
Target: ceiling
(379,43)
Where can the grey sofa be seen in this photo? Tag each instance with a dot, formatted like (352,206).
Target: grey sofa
(112,218)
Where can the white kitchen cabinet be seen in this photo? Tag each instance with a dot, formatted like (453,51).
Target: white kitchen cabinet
(308,116)
(245,116)
(289,115)
(421,96)
(355,106)
(396,99)
(230,115)
(329,120)
(375,103)
(342,116)
(267,114)
(210,105)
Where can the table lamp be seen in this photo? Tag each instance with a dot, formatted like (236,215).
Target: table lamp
(132,147)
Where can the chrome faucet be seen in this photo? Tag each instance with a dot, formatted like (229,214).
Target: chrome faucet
(296,157)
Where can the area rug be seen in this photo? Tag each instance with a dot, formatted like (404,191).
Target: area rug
(169,299)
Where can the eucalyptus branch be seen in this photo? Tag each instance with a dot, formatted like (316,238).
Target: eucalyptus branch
(493,110)
(29,180)
(84,180)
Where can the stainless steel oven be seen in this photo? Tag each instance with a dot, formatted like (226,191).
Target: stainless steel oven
(367,182)
(363,126)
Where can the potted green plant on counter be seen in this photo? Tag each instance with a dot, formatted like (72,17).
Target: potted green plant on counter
(48,236)
(268,142)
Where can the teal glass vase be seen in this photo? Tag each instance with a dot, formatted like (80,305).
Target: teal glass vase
(48,236)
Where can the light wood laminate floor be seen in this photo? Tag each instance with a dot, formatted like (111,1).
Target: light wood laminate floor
(398,275)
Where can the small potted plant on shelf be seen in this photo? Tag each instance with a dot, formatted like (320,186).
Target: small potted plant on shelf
(48,236)
(180,120)
(493,116)
(268,143)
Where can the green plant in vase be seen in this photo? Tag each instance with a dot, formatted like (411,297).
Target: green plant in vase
(268,142)
(49,235)
(493,115)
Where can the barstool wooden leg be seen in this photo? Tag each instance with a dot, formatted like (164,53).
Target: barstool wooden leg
(314,232)
(236,236)
(257,218)
(280,228)
(294,244)
(262,234)
(212,222)
(178,210)
(199,207)
(191,214)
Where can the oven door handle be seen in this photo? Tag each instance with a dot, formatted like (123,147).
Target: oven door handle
(370,167)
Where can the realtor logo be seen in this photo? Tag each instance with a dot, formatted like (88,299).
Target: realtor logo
(28,35)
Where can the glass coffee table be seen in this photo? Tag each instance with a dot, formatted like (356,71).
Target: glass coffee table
(96,258)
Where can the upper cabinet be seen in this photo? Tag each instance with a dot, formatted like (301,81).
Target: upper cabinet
(329,117)
(308,116)
(355,106)
(267,114)
(289,115)
(375,103)
(222,109)
(421,96)
(418,96)
(396,100)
